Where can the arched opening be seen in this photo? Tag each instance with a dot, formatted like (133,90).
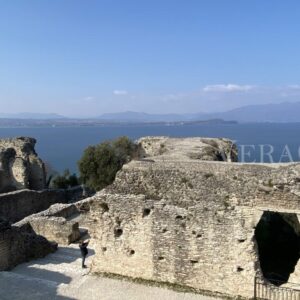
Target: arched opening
(278,240)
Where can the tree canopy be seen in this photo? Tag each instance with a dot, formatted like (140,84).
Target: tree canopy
(99,164)
(64,181)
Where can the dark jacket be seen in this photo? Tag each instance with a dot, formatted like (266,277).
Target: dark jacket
(83,249)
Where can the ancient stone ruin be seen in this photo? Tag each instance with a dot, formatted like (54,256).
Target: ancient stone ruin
(186,213)
(20,167)
(166,148)
(24,233)
(203,224)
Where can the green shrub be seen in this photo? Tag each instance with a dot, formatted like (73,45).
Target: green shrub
(64,181)
(99,164)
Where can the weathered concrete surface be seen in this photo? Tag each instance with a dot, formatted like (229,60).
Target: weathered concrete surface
(196,148)
(20,166)
(59,276)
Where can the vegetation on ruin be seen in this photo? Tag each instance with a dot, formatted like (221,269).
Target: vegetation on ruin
(99,164)
(64,181)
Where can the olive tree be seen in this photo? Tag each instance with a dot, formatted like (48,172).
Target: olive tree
(99,164)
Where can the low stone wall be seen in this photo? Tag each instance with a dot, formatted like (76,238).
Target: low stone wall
(77,193)
(20,244)
(38,234)
(19,204)
(55,224)
(55,229)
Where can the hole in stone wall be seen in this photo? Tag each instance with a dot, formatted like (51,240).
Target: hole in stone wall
(146,212)
(199,235)
(241,240)
(179,217)
(239,269)
(118,232)
(164,230)
(278,245)
(85,207)
(193,261)
(131,252)
(104,249)
(161,258)
(104,206)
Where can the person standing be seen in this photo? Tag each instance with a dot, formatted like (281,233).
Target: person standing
(84,251)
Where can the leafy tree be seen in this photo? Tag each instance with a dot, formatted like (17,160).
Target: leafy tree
(125,149)
(99,164)
(64,181)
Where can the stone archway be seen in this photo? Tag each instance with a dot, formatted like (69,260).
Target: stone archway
(278,239)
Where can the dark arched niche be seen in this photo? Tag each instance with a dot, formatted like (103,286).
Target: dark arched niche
(278,240)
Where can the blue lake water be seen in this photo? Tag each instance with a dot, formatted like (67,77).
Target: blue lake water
(63,147)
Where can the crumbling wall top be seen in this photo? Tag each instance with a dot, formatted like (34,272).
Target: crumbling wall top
(192,148)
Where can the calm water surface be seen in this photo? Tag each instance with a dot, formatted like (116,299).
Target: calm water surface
(63,147)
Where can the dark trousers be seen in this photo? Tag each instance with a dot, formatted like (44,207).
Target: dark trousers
(83,260)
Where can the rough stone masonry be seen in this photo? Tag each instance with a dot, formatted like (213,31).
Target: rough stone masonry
(175,218)
(20,167)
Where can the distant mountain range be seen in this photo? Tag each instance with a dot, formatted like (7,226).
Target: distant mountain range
(131,116)
(283,112)
(32,116)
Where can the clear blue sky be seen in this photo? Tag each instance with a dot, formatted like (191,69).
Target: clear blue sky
(89,57)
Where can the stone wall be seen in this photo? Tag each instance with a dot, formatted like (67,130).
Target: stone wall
(20,167)
(20,204)
(37,235)
(55,224)
(20,244)
(194,148)
(189,223)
